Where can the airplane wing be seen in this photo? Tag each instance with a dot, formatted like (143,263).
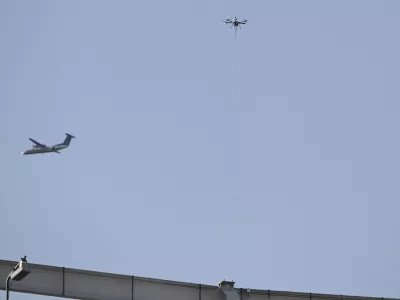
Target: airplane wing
(37,143)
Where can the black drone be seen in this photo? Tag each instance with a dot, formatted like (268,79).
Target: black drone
(235,23)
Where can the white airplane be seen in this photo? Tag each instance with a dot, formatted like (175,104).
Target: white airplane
(41,148)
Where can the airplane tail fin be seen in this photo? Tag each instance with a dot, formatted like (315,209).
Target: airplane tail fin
(68,139)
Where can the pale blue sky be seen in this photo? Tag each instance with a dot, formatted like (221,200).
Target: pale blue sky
(272,161)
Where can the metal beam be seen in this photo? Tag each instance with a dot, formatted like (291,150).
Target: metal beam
(90,285)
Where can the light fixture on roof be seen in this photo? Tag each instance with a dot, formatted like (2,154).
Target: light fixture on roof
(226,285)
(19,272)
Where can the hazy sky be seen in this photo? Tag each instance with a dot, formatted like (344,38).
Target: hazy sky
(271,160)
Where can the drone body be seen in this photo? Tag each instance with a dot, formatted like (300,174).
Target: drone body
(235,23)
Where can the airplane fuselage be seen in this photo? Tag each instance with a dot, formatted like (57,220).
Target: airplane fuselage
(36,150)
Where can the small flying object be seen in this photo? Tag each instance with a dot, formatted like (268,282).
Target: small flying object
(235,23)
(41,148)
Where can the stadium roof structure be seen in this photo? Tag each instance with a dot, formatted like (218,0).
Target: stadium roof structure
(91,285)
